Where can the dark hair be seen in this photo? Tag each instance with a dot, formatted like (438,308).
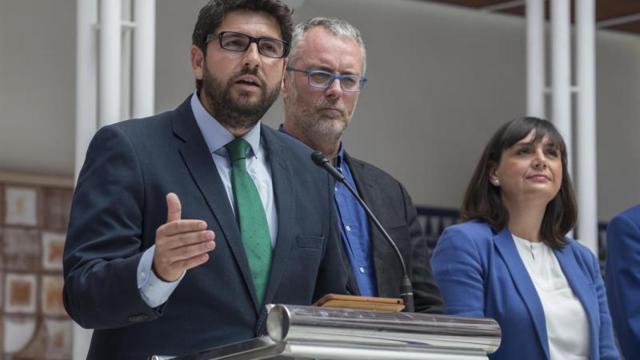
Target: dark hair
(482,200)
(211,15)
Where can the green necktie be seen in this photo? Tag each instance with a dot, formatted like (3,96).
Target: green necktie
(252,219)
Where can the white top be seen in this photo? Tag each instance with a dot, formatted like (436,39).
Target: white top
(565,319)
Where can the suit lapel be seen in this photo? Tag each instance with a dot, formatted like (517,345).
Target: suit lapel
(524,285)
(365,186)
(580,286)
(198,160)
(281,175)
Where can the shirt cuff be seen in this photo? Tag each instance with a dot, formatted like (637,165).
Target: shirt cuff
(154,291)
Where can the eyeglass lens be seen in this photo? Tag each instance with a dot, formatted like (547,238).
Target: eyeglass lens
(240,42)
(324,79)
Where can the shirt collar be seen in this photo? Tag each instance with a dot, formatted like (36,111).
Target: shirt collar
(217,136)
(340,157)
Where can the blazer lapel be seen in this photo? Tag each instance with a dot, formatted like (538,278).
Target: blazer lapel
(580,286)
(365,186)
(198,160)
(524,285)
(284,193)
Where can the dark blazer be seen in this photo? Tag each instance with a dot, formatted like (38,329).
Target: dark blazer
(118,204)
(481,274)
(391,203)
(623,279)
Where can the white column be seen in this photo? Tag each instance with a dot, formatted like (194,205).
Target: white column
(126,31)
(110,58)
(561,71)
(144,41)
(587,191)
(86,111)
(86,79)
(535,58)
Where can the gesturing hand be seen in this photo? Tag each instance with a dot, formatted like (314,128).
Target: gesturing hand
(180,244)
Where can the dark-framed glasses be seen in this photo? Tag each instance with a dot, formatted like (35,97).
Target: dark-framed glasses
(239,42)
(323,79)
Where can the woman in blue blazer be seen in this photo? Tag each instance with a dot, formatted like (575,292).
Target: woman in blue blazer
(511,261)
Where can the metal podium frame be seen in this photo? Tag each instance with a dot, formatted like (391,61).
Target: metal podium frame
(308,332)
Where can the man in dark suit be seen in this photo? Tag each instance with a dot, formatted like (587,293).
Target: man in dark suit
(321,87)
(156,196)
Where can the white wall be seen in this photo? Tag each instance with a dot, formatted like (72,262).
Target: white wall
(618,117)
(37,85)
(442,79)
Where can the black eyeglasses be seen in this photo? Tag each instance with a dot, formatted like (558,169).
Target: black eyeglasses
(239,42)
(323,79)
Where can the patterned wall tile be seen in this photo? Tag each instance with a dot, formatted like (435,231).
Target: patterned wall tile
(56,211)
(21,206)
(51,296)
(33,322)
(22,249)
(20,293)
(52,250)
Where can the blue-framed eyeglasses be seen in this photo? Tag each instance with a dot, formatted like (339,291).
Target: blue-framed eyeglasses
(239,42)
(323,79)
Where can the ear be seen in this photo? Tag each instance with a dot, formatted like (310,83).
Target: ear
(198,62)
(493,175)
(286,80)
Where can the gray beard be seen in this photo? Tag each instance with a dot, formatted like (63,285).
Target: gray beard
(325,130)
(319,134)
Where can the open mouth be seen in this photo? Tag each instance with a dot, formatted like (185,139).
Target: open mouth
(250,81)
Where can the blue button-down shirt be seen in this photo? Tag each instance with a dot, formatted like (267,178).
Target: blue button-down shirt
(354,230)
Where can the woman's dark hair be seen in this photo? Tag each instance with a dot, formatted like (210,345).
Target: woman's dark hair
(482,200)
(211,15)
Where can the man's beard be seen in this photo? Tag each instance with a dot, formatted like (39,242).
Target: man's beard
(236,112)
(314,124)
(320,126)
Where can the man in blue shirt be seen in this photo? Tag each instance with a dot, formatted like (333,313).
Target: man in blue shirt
(321,87)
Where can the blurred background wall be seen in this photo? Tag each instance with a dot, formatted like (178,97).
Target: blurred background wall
(442,79)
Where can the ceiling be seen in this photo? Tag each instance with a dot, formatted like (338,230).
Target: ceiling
(620,15)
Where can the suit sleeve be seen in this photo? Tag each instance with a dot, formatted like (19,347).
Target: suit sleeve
(623,283)
(458,270)
(103,245)
(427,295)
